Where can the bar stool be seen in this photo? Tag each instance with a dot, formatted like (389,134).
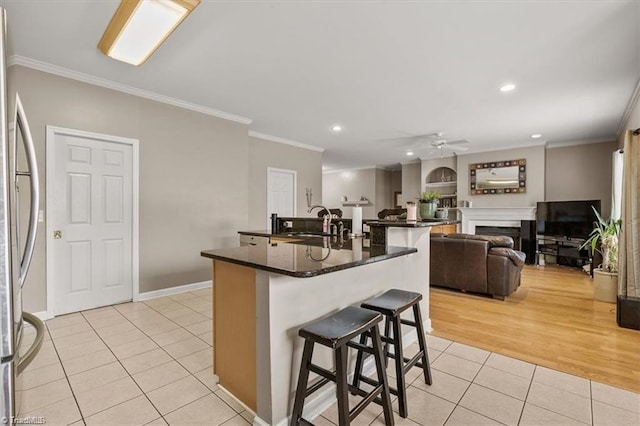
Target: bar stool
(336,332)
(391,304)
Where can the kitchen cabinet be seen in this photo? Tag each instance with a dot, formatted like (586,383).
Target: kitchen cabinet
(253,240)
(445,229)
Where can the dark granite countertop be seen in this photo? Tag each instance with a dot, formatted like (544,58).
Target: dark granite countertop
(412,224)
(306,257)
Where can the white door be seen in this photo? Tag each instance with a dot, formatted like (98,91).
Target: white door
(281,193)
(90,218)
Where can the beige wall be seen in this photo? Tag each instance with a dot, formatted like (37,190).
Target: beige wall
(535,157)
(384,195)
(374,184)
(580,172)
(411,183)
(306,163)
(396,183)
(193,174)
(353,184)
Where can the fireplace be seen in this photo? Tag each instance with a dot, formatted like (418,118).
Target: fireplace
(508,231)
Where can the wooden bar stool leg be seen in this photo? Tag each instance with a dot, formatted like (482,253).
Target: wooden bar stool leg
(359,362)
(426,367)
(385,346)
(301,390)
(382,376)
(399,361)
(342,392)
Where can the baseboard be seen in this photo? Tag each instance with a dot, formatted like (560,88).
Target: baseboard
(43,315)
(173,290)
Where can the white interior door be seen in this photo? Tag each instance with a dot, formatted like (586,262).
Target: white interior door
(281,193)
(90,199)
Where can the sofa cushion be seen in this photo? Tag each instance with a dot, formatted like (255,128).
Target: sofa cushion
(493,240)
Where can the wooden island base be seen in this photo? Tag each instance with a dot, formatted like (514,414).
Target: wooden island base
(234,335)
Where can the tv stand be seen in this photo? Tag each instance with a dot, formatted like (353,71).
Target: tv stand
(563,248)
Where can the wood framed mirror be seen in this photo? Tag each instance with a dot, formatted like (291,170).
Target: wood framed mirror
(498,177)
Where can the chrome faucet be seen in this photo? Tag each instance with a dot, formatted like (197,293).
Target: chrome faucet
(326,219)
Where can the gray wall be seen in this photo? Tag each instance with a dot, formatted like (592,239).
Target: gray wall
(384,195)
(306,163)
(580,172)
(411,183)
(396,184)
(353,184)
(193,174)
(535,157)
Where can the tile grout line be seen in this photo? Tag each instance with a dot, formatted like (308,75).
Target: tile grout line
(64,370)
(125,369)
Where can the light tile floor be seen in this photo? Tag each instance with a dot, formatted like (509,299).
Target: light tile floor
(150,363)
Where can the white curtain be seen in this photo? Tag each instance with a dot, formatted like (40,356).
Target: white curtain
(616,185)
(629,248)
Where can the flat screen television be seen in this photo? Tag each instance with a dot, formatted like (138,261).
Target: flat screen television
(568,219)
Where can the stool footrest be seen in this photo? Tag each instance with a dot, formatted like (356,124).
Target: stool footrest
(360,347)
(373,382)
(417,364)
(328,375)
(407,322)
(316,386)
(369,397)
(413,361)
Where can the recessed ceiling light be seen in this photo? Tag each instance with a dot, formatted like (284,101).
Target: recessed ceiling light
(536,135)
(336,128)
(409,153)
(507,87)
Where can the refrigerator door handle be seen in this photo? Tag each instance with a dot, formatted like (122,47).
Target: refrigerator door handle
(23,125)
(26,359)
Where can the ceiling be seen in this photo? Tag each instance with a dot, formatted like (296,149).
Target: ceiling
(384,71)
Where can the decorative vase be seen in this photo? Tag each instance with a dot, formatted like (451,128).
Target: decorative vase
(605,286)
(428,209)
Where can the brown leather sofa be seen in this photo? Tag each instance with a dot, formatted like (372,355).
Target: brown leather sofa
(476,263)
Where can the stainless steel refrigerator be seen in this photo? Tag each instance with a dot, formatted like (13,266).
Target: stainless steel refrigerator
(16,241)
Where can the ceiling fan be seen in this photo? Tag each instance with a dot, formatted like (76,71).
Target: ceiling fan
(435,142)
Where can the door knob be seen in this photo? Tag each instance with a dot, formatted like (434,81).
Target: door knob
(57,235)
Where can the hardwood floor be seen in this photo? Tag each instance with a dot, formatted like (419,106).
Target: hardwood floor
(552,320)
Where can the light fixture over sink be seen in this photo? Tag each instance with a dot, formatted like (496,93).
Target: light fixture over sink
(139,27)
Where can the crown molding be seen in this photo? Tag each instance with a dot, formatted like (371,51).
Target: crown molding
(352,169)
(633,101)
(277,139)
(551,145)
(108,84)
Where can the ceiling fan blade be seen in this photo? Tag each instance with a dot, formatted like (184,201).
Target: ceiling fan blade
(458,142)
(455,147)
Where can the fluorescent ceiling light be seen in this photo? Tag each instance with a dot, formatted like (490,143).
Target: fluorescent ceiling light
(507,87)
(139,27)
(536,135)
(336,128)
(409,153)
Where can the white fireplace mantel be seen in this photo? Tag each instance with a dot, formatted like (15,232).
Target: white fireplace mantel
(510,217)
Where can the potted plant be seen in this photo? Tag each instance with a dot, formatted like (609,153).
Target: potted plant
(604,240)
(428,204)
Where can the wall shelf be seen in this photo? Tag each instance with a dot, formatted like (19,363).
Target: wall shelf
(440,184)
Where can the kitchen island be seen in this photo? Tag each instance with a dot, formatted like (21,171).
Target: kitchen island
(263,294)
